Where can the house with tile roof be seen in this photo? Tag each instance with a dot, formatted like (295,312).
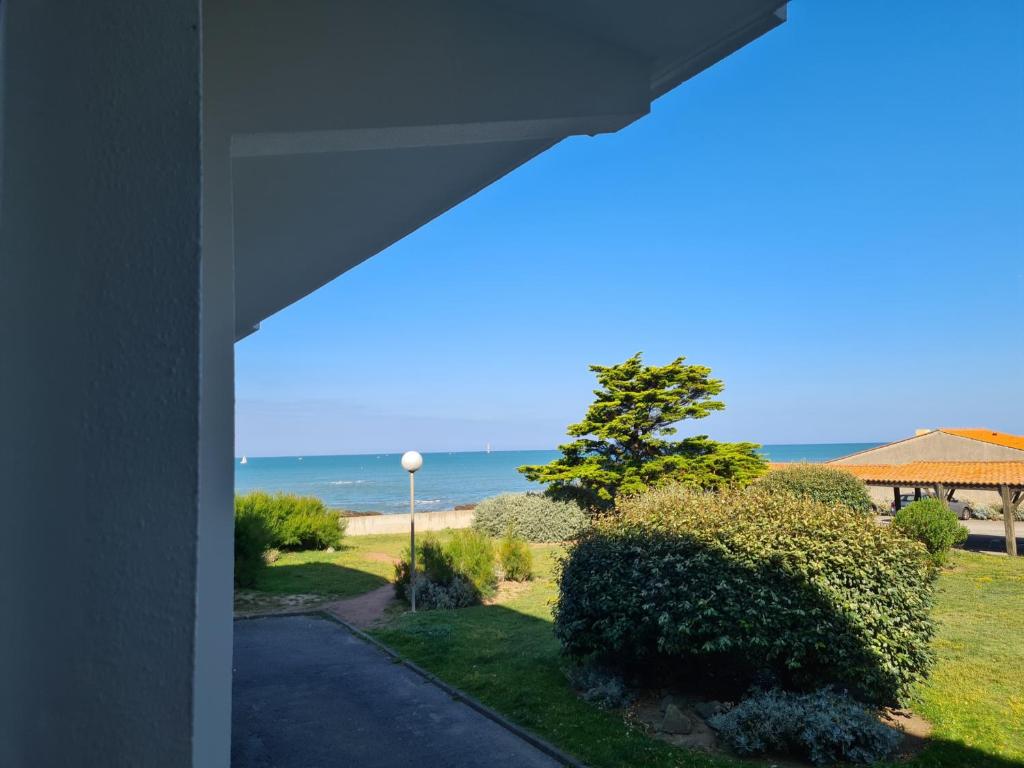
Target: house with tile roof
(943,445)
(979,466)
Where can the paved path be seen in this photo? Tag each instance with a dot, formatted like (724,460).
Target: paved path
(309,694)
(364,610)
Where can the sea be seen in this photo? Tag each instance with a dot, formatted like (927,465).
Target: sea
(377,483)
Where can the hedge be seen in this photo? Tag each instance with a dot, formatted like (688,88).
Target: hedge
(821,483)
(532,516)
(295,522)
(739,587)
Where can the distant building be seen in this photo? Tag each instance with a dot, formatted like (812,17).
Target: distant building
(930,445)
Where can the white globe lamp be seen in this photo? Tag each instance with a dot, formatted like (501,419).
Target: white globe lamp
(411,461)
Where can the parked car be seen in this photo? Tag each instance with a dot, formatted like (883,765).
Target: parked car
(963,509)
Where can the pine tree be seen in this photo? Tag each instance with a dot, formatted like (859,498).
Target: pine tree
(621,447)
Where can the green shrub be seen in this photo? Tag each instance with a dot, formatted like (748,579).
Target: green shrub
(532,516)
(821,483)
(932,523)
(457,593)
(735,587)
(515,558)
(295,522)
(472,556)
(599,686)
(824,727)
(252,540)
(465,561)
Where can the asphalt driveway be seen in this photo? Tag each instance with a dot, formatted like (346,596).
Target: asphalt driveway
(308,693)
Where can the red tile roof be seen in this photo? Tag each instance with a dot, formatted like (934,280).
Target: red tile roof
(960,474)
(989,436)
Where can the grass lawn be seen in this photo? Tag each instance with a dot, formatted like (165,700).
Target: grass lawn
(506,656)
(975,696)
(362,564)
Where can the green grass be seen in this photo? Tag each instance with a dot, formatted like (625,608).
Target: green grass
(506,656)
(357,567)
(975,696)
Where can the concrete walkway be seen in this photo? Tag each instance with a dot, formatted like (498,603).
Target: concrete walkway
(309,694)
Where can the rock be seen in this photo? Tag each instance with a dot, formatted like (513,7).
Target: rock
(708,709)
(675,721)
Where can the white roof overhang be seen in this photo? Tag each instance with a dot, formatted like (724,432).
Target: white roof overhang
(334,129)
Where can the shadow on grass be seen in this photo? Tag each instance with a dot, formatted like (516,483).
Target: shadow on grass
(511,661)
(939,753)
(317,578)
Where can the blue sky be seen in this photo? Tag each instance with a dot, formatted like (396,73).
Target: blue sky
(832,219)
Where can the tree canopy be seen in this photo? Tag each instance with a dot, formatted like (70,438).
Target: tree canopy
(621,447)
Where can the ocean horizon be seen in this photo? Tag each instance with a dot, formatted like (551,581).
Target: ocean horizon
(376,482)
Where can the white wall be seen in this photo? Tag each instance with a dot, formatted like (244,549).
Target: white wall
(99,389)
(369,525)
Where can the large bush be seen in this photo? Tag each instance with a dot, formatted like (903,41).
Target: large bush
(295,522)
(932,523)
(825,727)
(532,516)
(821,483)
(461,570)
(738,587)
(252,539)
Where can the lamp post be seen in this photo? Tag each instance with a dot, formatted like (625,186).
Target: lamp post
(411,461)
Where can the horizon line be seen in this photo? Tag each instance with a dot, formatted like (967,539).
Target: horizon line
(505,450)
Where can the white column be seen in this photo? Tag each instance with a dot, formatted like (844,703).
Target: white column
(114,485)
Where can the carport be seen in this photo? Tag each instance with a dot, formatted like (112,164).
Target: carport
(946,477)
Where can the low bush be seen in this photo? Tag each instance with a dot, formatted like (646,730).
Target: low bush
(463,565)
(821,483)
(991,512)
(252,540)
(600,686)
(824,727)
(736,587)
(932,523)
(515,558)
(532,516)
(435,596)
(994,511)
(295,522)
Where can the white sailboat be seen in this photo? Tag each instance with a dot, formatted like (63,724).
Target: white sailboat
(488,448)
(245,460)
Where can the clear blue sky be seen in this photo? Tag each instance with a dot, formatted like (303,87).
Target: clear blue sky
(832,219)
